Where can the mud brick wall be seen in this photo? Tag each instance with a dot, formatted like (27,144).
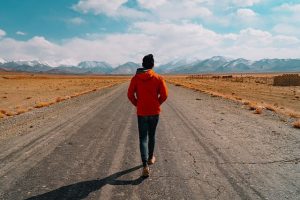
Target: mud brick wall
(287,80)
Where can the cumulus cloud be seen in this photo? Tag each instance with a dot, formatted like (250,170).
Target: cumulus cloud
(287,17)
(177,10)
(167,10)
(110,8)
(166,40)
(2,33)
(245,13)
(289,13)
(164,9)
(245,17)
(99,6)
(244,3)
(295,8)
(20,33)
(151,4)
(225,4)
(34,48)
(286,29)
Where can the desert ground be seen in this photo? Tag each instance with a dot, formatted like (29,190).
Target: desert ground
(21,92)
(207,147)
(255,91)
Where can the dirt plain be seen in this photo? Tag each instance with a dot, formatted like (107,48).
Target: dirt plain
(22,92)
(253,90)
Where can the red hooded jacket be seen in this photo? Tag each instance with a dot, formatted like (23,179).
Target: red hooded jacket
(147,91)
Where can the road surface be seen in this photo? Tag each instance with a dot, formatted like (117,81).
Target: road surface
(207,148)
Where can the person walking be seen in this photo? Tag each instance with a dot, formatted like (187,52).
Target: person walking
(147,91)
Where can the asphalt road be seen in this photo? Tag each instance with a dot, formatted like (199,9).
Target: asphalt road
(207,148)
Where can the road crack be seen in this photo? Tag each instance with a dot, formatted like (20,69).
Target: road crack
(289,161)
(194,162)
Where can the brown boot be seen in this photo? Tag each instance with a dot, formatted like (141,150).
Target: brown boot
(151,161)
(146,172)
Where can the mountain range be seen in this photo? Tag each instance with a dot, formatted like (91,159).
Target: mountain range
(177,66)
(223,64)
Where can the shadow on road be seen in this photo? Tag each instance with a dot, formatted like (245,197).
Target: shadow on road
(83,189)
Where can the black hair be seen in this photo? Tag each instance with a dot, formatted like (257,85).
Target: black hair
(148,61)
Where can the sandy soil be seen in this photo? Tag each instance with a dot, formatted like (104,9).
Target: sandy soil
(285,100)
(22,92)
(207,148)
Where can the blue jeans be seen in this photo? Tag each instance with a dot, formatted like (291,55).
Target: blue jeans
(147,126)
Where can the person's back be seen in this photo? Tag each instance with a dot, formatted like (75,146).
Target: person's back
(150,92)
(147,91)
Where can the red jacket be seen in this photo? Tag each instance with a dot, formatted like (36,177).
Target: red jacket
(147,91)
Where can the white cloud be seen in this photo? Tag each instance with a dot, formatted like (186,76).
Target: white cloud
(167,41)
(76,21)
(20,33)
(244,3)
(245,13)
(2,33)
(151,4)
(34,48)
(164,9)
(287,17)
(245,17)
(227,4)
(254,38)
(286,29)
(295,8)
(99,6)
(177,10)
(240,19)
(168,10)
(171,41)
(111,8)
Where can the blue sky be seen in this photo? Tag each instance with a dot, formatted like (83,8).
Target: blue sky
(116,31)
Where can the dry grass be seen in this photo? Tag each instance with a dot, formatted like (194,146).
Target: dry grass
(21,110)
(3,111)
(246,103)
(30,91)
(42,104)
(253,106)
(270,107)
(253,90)
(10,113)
(59,99)
(296,124)
(74,95)
(258,110)
(293,114)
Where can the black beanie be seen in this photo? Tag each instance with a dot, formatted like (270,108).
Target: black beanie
(148,61)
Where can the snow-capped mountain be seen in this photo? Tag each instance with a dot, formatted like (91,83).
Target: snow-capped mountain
(207,65)
(32,63)
(277,65)
(96,67)
(93,64)
(26,66)
(177,63)
(177,66)
(223,64)
(126,68)
(238,65)
(2,60)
